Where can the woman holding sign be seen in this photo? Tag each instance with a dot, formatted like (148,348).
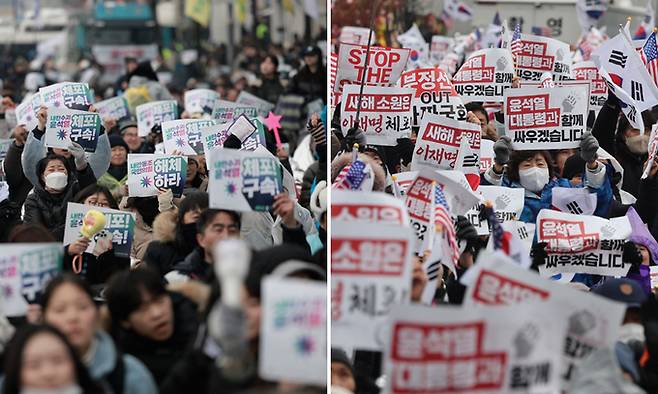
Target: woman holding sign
(57,185)
(534,171)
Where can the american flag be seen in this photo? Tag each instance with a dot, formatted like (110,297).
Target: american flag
(442,217)
(649,56)
(351,176)
(516,45)
(542,31)
(501,239)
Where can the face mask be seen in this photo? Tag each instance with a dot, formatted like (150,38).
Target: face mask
(534,179)
(638,144)
(189,233)
(56,181)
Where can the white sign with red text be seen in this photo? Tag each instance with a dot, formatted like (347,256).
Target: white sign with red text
(485,75)
(384,65)
(367,207)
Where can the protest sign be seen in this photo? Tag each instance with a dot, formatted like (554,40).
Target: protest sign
(242,180)
(355,35)
(540,54)
(461,198)
(546,118)
(486,155)
(154,113)
(438,142)
(263,107)
(184,135)
(201,101)
(113,108)
(507,204)
(149,172)
(370,272)
(72,95)
(26,112)
(228,111)
(293,339)
(419,203)
(385,112)
(598,89)
(593,321)
(25,269)
(413,39)
(384,65)
(367,207)
(434,93)
(119,225)
(582,244)
(65,126)
(494,349)
(485,75)
(250,132)
(439,47)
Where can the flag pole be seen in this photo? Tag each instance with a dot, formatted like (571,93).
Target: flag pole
(367,63)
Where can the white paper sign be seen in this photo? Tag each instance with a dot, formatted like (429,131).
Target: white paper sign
(485,75)
(598,89)
(507,204)
(25,269)
(367,207)
(593,321)
(72,95)
(26,112)
(263,107)
(154,113)
(385,112)
(438,141)
(370,272)
(491,349)
(384,66)
(293,339)
(439,47)
(215,136)
(113,108)
(242,180)
(541,54)
(185,135)
(582,244)
(355,35)
(543,118)
(149,172)
(228,111)
(201,101)
(65,126)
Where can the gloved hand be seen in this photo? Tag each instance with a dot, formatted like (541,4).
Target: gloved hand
(632,255)
(354,136)
(78,154)
(588,147)
(316,128)
(538,254)
(465,230)
(502,150)
(165,200)
(103,243)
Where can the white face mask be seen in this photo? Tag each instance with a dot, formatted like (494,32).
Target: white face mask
(534,178)
(72,389)
(631,332)
(56,181)
(638,144)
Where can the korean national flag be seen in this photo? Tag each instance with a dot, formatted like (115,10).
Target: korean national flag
(624,66)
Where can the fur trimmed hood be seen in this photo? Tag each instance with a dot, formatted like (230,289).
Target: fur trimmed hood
(346,158)
(164,226)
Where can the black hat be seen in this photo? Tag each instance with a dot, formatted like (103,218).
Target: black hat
(623,290)
(312,50)
(573,166)
(116,140)
(338,355)
(125,124)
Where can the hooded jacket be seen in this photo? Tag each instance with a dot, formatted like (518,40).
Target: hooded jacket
(136,378)
(164,252)
(49,210)
(160,356)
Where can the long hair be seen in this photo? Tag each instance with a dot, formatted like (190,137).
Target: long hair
(14,360)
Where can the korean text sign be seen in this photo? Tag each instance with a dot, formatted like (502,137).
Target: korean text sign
(505,349)
(65,126)
(184,135)
(546,118)
(120,225)
(582,244)
(485,75)
(114,108)
(250,132)
(25,269)
(541,54)
(385,112)
(438,142)
(369,207)
(371,272)
(149,172)
(243,180)
(153,114)
(293,339)
(228,111)
(71,95)
(201,101)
